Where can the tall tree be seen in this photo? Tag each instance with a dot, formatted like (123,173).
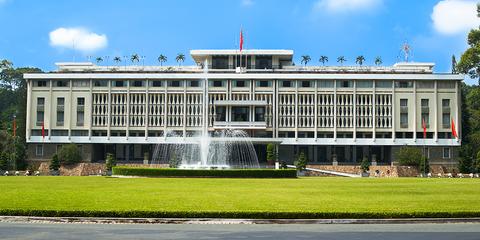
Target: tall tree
(135,58)
(454,64)
(378,61)
(305,59)
(359,60)
(323,60)
(470,61)
(180,58)
(117,60)
(162,58)
(341,60)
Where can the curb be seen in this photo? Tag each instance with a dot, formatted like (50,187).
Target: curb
(91,220)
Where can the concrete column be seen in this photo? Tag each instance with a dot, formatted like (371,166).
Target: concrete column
(374,111)
(91,111)
(435,107)
(50,115)
(316,115)
(335,110)
(414,111)
(127,133)
(296,111)
(147,105)
(29,109)
(354,110)
(394,112)
(109,120)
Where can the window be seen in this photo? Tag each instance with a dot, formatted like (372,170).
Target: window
(306,84)
(81,83)
(259,114)
(446,120)
(240,83)
(119,84)
(424,102)
(174,83)
(62,83)
(403,102)
(217,83)
(445,102)
(40,110)
(446,85)
(137,83)
(219,62)
(403,120)
(240,114)
(156,83)
(365,84)
(100,83)
(346,84)
(220,113)
(41,83)
(325,83)
(39,150)
(425,112)
(263,83)
(286,83)
(446,152)
(60,111)
(80,111)
(383,84)
(404,84)
(195,83)
(263,62)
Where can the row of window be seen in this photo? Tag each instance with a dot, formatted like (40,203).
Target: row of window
(245,83)
(239,114)
(425,113)
(60,111)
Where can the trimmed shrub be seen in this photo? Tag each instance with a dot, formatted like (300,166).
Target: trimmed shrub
(365,165)
(271,153)
(54,163)
(227,173)
(409,156)
(110,162)
(69,154)
(301,163)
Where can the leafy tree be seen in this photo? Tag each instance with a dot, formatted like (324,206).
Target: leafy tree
(162,58)
(117,60)
(470,60)
(341,60)
(409,156)
(54,163)
(365,165)
(378,61)
(135,58)
(305,59)
(301,163)
(110,162)
(359,60)
(4,161)
(180,58)
(476,164)
(323,60)
(69,154)
(174,161)
(270,153)
(424,165)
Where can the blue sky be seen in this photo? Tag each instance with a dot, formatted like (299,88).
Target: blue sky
(434,29)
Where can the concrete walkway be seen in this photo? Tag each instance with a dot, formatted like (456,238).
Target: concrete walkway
(341,174)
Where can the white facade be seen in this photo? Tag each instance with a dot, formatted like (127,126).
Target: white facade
(268,97)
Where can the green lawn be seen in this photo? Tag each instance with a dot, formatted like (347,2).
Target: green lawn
(353,197)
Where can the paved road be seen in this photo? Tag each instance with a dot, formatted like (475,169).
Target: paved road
(239,231)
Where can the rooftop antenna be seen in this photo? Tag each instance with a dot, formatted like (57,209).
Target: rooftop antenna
(406,51)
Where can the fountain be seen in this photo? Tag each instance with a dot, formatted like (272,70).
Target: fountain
(229,148)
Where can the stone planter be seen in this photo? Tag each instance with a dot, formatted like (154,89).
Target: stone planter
(54,172)
(365,174)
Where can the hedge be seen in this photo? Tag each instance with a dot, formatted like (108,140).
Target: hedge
(235,214)
(227,173)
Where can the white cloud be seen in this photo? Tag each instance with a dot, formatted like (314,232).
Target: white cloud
(247,2)
(455,16)
(78,39)
(338,6)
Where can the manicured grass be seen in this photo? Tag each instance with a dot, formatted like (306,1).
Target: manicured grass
(256,198)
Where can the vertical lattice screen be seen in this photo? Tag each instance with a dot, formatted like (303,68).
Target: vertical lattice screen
(286,110)
(194,110)
(137,109)
(156,110)
(325,110)
(175,110)
(364,108)
(100,110)
(306,110)
(211,107)
(344,110)
(383,110)
(119,110)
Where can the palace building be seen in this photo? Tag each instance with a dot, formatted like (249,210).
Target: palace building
(335,115)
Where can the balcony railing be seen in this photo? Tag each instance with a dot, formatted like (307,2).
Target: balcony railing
(240,125)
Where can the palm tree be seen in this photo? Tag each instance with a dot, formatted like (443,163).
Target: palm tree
(99,59)
(180,58)
(162,58)
(341,59)
(135,58)
(305,59)
(360,59)
(378,61)
(117,60)
(323,60)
